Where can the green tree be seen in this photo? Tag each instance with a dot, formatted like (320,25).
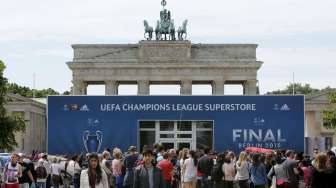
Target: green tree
(27,92)
(66,93)
(9,125)
(298,88)
(329,115)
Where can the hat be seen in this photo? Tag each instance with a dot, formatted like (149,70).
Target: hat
(132,148)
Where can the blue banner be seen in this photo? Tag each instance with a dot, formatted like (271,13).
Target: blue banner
(80,124)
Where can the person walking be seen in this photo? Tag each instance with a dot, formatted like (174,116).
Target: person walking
(278,171)
(166,168)
(65,173)
(204,166)
(148,175)
(55,173)
(94,176)
(12,172)
(107,167)
(74,170)
(322,176)
(189,170)
(47,166)
(183,156)
(27,178)
(117,167)
(242,167)
(229,172)
(130,162)
(258,172)
(217,173)
(291,170)
(41,173)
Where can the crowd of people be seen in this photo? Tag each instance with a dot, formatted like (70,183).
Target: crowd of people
(161,168)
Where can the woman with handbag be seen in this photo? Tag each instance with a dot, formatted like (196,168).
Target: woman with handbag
(278,171)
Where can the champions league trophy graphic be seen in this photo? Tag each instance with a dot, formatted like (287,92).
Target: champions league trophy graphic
(92,139)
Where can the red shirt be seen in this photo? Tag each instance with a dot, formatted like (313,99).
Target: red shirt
(166,169)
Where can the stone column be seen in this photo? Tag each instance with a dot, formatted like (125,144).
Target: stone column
(186,87)
(143,87)
(79,87)
(111,87)
(250,87)
(218,87)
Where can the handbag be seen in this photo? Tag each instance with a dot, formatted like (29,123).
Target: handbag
(280,181)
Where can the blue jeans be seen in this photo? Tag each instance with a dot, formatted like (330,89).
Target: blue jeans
(41,184)
(205,182)
(75,183)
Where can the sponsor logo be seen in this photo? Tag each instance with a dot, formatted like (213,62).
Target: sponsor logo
(65,107)
(84,108)
(276,107)
(73,107)
(285,107)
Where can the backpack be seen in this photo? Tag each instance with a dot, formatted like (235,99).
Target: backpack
(217,173)
(110,177)
(41,172)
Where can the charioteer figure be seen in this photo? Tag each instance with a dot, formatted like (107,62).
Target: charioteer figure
(165,28)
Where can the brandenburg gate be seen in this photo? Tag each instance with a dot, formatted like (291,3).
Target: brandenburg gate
(166,59)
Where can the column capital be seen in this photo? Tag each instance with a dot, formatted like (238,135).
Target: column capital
(186,87)
(143,87)
(218,87)
(79,87)
(250,87)
(111,87)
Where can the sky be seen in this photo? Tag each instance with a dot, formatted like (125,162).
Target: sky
(292,35)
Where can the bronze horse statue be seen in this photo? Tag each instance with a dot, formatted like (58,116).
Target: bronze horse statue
(149,30)
(182,30)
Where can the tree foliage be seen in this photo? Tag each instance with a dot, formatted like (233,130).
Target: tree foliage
(9,125)
(329,115)
(27,92)
(298,88)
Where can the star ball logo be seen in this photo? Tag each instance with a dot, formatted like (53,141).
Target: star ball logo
(259,121)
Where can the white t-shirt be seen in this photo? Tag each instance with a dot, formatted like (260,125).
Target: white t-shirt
(55,169)
(229,171)
(243,171)
(46,165)
(11,173)
(190,170)
(73,167)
